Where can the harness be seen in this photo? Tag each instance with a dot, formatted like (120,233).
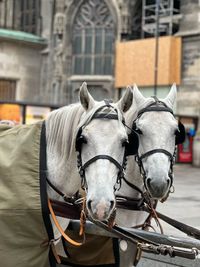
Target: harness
(145,203)
(158,106)
(80,140)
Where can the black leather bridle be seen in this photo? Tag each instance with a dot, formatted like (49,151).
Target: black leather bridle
(83,167)
(157,106)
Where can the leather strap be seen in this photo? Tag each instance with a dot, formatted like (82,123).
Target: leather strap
(63,234)
(157,150)
(110,116)
(66,210)
(156,106)
(134,187)
(102,157)
(190,231)
(55,188)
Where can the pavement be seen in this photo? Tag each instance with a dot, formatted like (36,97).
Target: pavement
(184,203)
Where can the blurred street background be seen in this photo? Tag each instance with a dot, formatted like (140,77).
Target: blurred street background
(184,203)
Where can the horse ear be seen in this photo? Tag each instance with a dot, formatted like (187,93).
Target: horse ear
(87,101)
(138,97)
(171,97)
(126,100)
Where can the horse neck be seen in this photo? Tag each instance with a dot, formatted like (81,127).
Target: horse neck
(62,171)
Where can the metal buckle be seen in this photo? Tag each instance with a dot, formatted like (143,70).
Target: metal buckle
(138,254)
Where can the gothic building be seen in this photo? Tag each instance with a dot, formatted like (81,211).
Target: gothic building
(48,48)
(82,47)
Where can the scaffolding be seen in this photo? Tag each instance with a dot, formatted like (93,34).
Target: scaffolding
(169,16)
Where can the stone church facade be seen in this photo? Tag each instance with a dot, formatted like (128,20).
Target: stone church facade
(74,40)
(82,47)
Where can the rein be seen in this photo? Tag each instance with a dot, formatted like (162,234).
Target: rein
(141,243)
(64,210)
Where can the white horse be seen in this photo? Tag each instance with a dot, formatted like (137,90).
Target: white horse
(158,133)
(99,139)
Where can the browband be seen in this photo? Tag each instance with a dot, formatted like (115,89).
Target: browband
(105,116)
(155,108)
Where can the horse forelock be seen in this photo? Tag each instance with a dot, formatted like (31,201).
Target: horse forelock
(87,117)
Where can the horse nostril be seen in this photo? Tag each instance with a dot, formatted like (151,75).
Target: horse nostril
(89,204)
(112,204)
(168,181)
(148,181)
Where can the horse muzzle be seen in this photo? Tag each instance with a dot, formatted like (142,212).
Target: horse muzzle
(158,188)
(100,210)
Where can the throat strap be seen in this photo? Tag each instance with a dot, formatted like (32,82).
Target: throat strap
(55,188)
(133,186)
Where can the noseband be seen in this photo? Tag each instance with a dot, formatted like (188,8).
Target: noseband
(83,167)
(155,106)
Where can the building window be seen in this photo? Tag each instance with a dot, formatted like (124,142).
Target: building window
(29,15)
(93,39)
(7,90)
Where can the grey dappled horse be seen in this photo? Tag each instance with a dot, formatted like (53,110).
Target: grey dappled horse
(158,132)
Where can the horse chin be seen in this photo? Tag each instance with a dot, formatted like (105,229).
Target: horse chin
(100,216)
(157,190)
(157,195)
(97,217)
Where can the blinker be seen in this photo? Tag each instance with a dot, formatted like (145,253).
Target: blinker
(80,139)
(180,134)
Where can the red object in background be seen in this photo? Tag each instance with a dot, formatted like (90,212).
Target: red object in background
(185,150)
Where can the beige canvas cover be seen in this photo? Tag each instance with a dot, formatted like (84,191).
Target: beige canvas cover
(23,236)
(97,251)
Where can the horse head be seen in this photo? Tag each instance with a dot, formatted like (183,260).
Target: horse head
(158,133)
(100,143)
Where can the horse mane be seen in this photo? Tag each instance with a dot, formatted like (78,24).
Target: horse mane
(63,124)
